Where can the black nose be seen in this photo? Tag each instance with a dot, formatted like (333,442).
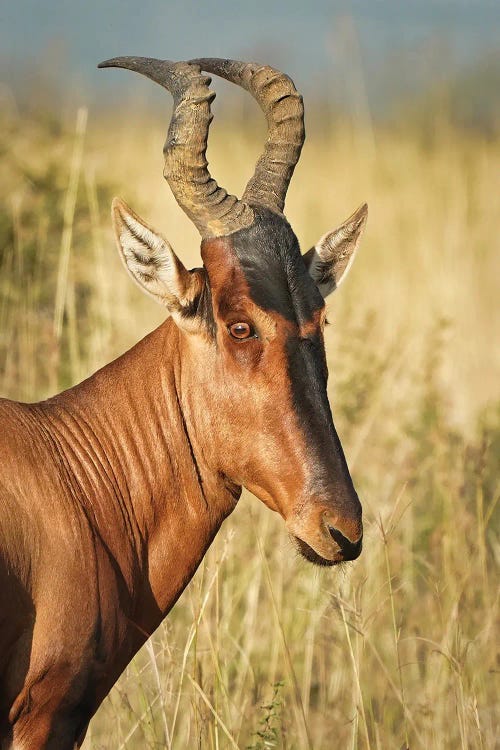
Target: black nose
(350,550)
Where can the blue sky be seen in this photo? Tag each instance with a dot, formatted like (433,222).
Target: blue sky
(314,41)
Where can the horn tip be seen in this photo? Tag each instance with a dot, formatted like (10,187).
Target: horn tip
(109,63)
(130,62)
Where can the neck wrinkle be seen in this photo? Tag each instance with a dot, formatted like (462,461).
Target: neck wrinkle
(123,435)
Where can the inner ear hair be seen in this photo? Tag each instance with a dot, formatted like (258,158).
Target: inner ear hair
(150,259)
(330,259)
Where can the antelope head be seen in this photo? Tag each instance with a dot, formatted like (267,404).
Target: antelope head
(253,378)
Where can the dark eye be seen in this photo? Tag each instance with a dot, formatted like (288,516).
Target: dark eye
(241,331)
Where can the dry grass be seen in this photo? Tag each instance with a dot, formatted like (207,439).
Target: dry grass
(263,650)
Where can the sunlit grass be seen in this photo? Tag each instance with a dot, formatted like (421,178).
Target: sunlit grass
(264,650)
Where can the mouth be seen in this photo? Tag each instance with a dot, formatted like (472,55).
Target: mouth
(312,556)
(346,552)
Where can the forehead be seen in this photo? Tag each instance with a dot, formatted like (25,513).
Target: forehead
(268,256)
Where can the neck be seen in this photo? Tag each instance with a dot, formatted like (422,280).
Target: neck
(141,476)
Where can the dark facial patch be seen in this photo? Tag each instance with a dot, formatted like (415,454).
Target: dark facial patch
(269,255)
(308,378)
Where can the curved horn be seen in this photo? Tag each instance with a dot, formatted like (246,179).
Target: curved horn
(212,210)
(284,110)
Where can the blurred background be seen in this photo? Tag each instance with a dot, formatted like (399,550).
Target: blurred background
(371,58)
(403,111)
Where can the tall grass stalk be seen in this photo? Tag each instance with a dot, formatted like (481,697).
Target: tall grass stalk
(67,233)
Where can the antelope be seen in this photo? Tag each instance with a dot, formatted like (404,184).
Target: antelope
(112,491)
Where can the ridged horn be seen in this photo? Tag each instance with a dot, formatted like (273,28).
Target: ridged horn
(284,109)
(214,212)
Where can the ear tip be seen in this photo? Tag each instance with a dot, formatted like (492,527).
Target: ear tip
(117,204)
(357,220)
(120,210)
(360,216)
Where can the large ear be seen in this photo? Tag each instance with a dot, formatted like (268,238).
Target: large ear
(154,266)
(329,261)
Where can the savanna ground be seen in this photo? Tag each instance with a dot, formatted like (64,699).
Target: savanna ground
(263,650)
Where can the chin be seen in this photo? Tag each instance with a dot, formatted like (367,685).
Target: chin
(309,554)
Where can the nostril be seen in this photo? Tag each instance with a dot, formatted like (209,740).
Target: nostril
(350,550)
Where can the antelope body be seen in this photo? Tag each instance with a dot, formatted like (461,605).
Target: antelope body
(111,492)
